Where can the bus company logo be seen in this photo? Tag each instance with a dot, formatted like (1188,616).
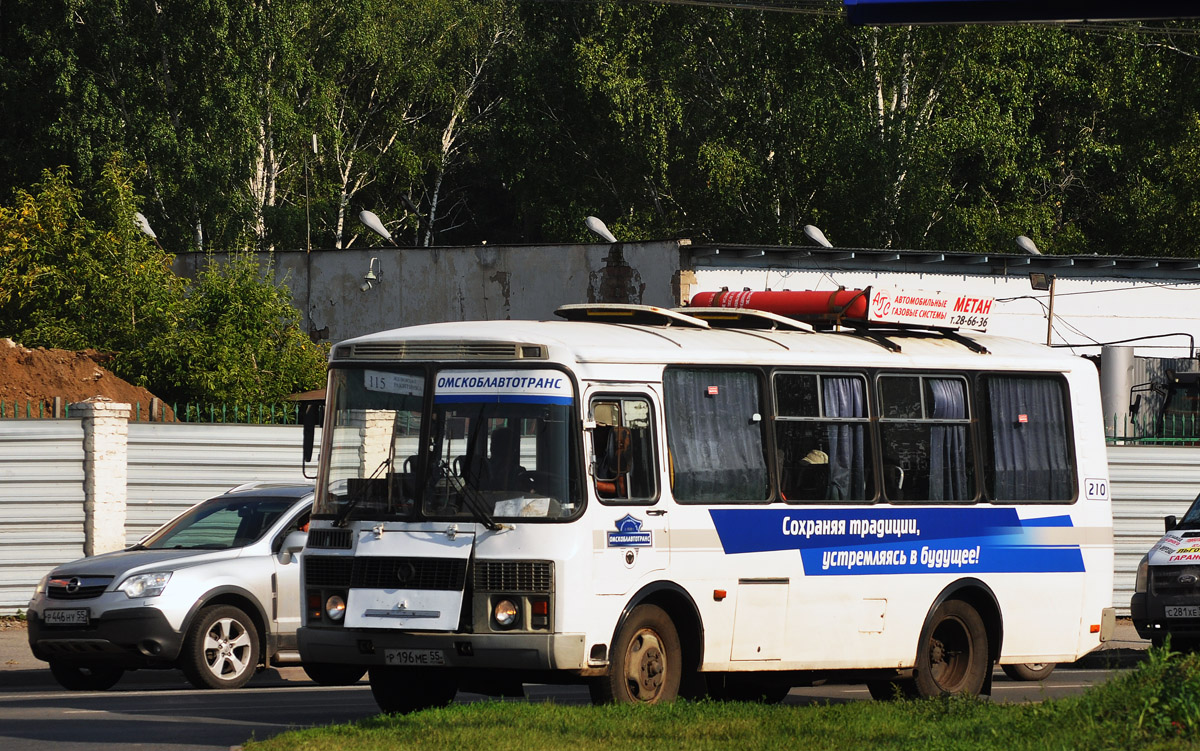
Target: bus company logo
(629,534)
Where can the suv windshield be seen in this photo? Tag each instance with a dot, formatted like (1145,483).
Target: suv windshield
(220,524)
(497,446)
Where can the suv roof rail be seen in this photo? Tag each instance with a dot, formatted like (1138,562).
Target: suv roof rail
(260,484)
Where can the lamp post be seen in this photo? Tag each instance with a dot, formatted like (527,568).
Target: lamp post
(1041,281)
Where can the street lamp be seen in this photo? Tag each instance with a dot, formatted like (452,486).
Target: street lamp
(372,222)
(598,227)
(1040,281)
(816,235)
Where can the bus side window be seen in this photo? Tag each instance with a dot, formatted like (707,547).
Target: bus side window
(623,450)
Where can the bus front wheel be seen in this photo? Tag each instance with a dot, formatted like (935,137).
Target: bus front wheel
(952,656)
(647,661)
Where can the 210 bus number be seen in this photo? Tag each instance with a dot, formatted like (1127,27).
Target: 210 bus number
(1095,489)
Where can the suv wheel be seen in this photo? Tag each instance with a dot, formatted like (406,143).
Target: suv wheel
(221,649)
(85,677)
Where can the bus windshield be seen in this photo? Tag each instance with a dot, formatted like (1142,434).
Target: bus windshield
(498,446)
(502,446)
(373,444)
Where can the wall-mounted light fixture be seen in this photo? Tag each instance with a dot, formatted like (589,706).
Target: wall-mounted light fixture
(373,275)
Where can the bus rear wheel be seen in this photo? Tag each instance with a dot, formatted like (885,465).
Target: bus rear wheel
(647,661)
(952,656)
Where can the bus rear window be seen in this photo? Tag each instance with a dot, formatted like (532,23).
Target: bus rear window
(1028,440)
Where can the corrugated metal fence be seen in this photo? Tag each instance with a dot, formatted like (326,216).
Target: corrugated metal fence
(172,466)
(41,503)
(175,465)
(1148,482)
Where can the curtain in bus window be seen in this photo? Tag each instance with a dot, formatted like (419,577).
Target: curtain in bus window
(1030,440)
(846,397)
(716,447)
(948,450)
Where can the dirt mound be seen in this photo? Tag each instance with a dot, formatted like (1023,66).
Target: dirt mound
(34,377)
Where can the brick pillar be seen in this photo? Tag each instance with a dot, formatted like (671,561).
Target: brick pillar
(105,460)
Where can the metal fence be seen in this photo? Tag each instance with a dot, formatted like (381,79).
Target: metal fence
(170,467)
(1147,430)
(283,413)
(41,504)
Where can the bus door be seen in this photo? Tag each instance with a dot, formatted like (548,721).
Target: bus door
(631,536)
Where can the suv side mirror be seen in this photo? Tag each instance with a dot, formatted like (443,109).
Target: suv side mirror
(292,545)
(1170,522)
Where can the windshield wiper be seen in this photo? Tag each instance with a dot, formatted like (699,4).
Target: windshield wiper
(475,502)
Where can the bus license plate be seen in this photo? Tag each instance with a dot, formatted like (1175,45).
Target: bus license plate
(77,617)
(1183,611)
(428,657)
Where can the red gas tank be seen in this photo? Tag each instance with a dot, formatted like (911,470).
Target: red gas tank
(801,305)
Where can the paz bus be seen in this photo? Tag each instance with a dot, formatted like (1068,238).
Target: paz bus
(751,493)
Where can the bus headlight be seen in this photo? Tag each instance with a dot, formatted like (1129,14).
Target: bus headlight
(1142,583)
(335,608)
(505,613)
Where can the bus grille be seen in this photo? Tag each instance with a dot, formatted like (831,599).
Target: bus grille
(514,576)
(1175,580)
(451,350)
(329,538)
(385,573)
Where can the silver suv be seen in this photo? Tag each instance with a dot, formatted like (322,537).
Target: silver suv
(214,592)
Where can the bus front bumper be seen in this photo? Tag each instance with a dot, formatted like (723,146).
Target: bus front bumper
(510,651)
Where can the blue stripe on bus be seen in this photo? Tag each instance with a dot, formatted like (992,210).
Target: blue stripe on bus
(839,542)
(501,399)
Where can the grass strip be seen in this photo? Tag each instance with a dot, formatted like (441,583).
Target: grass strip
(1156,706)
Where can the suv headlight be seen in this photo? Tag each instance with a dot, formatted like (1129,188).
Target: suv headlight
(1143,575)
(40,589)
(145,585)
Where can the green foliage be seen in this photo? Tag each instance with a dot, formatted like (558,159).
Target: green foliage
(459,121)
(237,339)
(75,273)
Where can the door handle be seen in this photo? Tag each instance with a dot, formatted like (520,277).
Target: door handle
(655,511)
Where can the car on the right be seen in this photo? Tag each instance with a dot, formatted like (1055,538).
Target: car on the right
(1166,597)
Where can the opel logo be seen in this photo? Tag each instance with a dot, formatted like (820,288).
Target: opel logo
(405,572)
(74,584)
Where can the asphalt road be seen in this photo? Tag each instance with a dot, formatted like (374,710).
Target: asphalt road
(158,710)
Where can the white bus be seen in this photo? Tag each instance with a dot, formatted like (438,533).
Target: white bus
(703,501)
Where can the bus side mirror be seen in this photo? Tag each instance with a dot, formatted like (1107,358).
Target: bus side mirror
(309,417)
(1170,522)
